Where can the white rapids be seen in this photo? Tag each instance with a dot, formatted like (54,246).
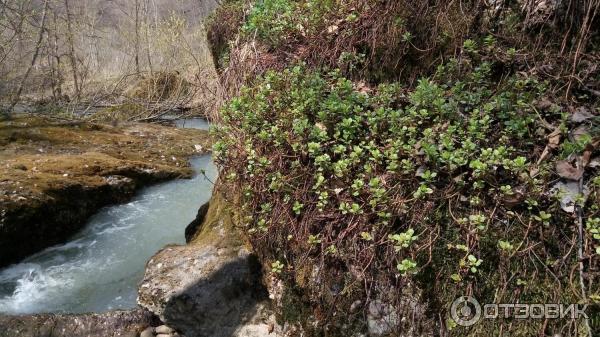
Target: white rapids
(100,267)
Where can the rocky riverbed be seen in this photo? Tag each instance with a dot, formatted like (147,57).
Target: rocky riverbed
(212,286)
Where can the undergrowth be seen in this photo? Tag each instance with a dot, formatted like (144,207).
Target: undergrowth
(441,186)
(370,174)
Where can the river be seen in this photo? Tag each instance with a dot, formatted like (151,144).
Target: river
(100,267)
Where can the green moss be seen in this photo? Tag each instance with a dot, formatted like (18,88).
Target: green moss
(219,224)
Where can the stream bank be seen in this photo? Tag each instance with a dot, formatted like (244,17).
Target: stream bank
(55,174)
(99,268)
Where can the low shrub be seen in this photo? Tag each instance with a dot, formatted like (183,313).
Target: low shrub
(445,186)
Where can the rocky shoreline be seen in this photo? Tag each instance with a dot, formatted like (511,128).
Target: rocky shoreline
(212,286)
(112,324)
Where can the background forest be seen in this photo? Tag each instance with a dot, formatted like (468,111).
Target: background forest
(94,53)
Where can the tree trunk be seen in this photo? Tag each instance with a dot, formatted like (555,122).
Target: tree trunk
(56,64)
(33,60)
(72,56)
(137,36)
(147,23)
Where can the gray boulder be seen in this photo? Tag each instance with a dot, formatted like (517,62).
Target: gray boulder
(210,287)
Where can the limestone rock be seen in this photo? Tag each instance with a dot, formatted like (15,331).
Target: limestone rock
(163,329)
(210,287)
(148,332)
(382,318)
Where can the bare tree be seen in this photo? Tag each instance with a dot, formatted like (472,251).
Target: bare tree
(54,58)
(137,36)
(36,53)
(95,50)
(71,45)
(147,33)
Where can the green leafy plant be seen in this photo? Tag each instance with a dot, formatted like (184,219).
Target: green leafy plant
(277,267)
(473,263)
(346,167)
(407,266)
(403,240)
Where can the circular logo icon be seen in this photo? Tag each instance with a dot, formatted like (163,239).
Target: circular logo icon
(465,311)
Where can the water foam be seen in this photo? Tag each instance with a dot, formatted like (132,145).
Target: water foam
(100,267)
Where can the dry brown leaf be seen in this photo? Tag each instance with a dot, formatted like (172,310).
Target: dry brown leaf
(553,142)
(514,199)
(585,158)
(543,104)
(533,171)
(581,115)
(363,87)
(554,138)
(565,170)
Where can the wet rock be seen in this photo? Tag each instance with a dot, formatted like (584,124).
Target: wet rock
(194,226)
(111,324)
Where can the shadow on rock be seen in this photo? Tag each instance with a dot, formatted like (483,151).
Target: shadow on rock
(206,292)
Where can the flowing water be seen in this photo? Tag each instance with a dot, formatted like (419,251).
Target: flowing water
(99,268)
(192,123)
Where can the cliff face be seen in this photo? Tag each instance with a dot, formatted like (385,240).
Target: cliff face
(54,175)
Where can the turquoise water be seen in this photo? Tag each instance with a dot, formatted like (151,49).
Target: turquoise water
(100,267)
